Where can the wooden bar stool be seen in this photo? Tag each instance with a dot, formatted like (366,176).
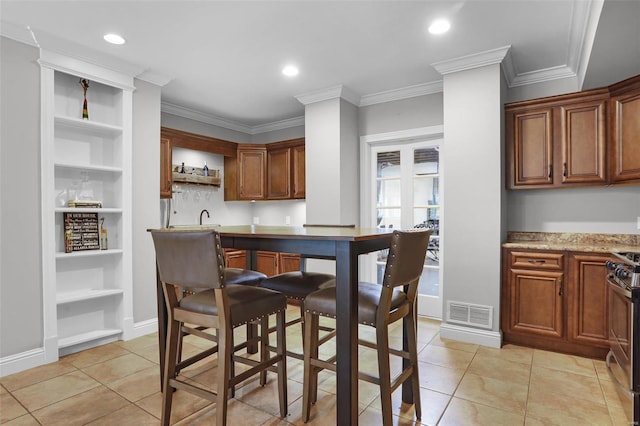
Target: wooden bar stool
(297,285)
(378,307)
(193,259)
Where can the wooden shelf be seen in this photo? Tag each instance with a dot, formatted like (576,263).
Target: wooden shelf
(196,179)
(87,253)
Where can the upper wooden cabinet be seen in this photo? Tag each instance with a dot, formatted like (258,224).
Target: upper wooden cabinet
(286,170)
(165,168)
(274,171)
(579,139)
(624,118)
(251,172)
(558,141)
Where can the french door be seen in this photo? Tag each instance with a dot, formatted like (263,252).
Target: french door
(406,190)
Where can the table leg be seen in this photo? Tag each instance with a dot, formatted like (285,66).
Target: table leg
(347,334)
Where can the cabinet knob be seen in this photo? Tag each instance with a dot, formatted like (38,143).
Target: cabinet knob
(537,261)
(564,170)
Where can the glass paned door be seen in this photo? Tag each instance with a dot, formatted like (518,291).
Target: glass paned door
(407,186)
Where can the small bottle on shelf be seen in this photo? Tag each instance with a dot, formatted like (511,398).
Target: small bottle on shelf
(205,170)
(104,244)
(182,168)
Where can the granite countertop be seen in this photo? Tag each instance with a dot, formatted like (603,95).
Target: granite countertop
(594,243)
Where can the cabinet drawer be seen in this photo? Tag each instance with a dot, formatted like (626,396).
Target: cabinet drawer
(545,261)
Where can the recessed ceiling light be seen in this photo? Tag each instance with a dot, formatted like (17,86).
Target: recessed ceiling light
(290,70)
(114,39)
(439,26)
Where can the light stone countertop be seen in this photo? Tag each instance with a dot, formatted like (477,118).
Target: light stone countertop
(578,242)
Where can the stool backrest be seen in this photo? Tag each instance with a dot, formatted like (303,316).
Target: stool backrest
(189,258)
(405,260)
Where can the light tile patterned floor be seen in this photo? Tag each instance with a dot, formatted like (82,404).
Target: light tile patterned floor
(461,384)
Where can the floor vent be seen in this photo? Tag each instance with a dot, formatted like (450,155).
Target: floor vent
(468,314)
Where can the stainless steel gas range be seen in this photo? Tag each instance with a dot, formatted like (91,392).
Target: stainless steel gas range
(623,360)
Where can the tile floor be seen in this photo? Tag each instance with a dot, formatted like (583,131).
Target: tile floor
(461,384)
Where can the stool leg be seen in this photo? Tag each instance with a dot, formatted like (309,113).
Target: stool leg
(384,371)
(224,356)
(281,342)
(412,341)
(264,341)
(170,361)
(310,379)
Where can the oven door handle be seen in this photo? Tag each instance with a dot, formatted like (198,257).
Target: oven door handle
(618,289)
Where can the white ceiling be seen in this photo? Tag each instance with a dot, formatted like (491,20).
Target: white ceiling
(223,59)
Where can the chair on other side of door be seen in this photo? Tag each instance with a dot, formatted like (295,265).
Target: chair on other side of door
(193,259)
(379,305)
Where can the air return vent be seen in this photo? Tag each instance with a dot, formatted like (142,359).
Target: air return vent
(467,314)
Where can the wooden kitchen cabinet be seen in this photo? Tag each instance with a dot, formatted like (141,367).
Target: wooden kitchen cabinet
(286,169)
(299,171)
(272,263)
(624,118)
(165,168)
(235,259)
(555,300)
(274,171)
(558,141)
(279,173)
(587,297)
(534,293)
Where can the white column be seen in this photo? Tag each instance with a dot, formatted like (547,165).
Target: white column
(473,190)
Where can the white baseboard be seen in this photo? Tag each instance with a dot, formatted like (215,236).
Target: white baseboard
(143,328)
(23,361)
(492,339)
(35,357)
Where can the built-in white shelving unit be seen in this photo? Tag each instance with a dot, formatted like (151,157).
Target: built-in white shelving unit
(87,294)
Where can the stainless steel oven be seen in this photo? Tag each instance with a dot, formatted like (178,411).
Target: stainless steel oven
(623,359)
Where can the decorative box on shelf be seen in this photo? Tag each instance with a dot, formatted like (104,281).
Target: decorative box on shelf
(195,175)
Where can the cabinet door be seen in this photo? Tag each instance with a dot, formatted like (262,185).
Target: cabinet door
(235,259)
(531,147)
(299,171)
(535,299)
(165,168)
(625,136)
(583,136)
(251,174)
(288,262)
(279,173)
(587,297)
(267,262)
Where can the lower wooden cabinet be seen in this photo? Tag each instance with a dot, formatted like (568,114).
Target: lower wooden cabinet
(588,300)
(555,301)
(268,262)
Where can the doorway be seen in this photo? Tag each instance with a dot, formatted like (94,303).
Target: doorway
(404,191)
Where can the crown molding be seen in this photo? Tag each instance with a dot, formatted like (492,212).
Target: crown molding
(475,60)
(154,78)
(402,93)
(18,33)
(334,92)
(278,125)
(192,114)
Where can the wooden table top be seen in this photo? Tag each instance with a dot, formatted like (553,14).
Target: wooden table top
(288,232)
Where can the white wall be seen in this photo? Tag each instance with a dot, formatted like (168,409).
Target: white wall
(21,316)
(411,113)
(606,210)
(145,210)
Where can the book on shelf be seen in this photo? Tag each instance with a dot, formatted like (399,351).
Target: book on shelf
(84,204)
(81,232)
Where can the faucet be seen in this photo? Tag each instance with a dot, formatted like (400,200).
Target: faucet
(204,211)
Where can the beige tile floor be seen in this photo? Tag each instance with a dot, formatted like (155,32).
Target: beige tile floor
(461,384)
